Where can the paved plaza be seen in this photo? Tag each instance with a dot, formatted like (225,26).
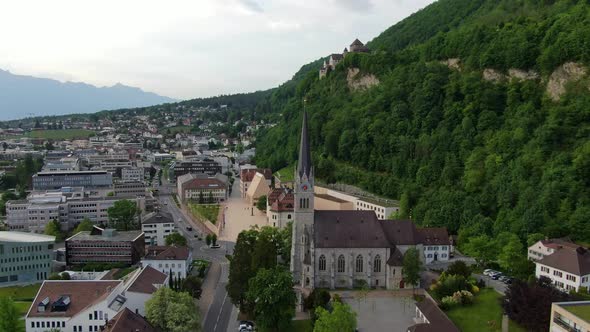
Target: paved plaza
(239,215)
(381,311)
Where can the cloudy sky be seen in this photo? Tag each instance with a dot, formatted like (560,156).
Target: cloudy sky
(185,49)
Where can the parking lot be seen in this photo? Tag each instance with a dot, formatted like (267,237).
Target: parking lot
(498,285)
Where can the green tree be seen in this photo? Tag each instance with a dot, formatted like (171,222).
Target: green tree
(9,316)
(261,203)
(123,215)
(201,198)
(176,239)
(192,285)
(241,270)
(412,267)
(341,319)
(533,238)
(172,311)
(54,228)
(511,253)
(459,268)
(271,291)
(482,248)
(208,239)
(214,239)
(85,226)
(265,250)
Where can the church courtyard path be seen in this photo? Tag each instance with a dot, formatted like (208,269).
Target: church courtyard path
(239,215)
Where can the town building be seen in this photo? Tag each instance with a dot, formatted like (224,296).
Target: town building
(130,189)
(25,258)
(69,206)
(65,164)
(105,246)
(87,305)
(174,261)
(547,247)
(570,316)
(87,179)
(202,188)
(568,268)
(279,207)
(156,226)
(336,249)
(128,321)
(258,187)
(203,166)
(132,174)
(430,318)
(248,174)
(332,199)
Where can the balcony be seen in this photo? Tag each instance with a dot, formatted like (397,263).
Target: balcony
(566,326)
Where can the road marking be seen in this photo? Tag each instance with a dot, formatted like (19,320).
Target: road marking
(220,312)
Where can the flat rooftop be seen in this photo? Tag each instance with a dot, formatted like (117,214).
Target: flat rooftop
(380,201)
(581,309)
(70,173)
(331,198)
(9,236)
(116,237)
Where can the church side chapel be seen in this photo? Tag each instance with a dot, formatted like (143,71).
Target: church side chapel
(341,249)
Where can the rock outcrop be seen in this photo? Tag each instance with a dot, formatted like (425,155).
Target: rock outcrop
(564,74)
(357,81)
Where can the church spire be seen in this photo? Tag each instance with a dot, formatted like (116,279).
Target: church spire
(304,162)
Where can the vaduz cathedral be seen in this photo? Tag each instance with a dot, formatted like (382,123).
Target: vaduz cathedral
(338,249)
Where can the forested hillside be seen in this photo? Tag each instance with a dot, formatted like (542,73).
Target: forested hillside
(469,143)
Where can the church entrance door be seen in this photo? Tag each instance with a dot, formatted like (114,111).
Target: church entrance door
(401,284)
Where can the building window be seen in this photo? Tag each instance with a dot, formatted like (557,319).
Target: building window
(359,263)
(341,263)
(322,264)
(377,264)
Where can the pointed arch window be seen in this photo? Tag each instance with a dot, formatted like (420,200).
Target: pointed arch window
(341,264)
(322,263)
(377,264)
(359,263)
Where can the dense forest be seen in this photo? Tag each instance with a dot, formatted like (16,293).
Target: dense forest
(484,158)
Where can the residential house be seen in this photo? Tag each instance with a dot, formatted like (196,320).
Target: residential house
(172,260)
(547,247)
(128,321)
(568,268)
(156,226)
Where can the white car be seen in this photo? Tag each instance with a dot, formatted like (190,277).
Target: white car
(246,326)
(487,272)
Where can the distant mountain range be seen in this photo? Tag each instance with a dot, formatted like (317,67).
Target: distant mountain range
(24,96)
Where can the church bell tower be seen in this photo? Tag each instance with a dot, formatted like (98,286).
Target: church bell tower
(302,240)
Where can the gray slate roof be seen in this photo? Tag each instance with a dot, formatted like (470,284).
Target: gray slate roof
(348,229)
(575,261)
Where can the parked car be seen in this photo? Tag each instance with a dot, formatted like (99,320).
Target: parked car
(215,246)
(496,275)
(487,272)
(508,280)
(246,326)
(189,228)
(502,278)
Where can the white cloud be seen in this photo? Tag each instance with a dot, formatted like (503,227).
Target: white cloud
(185,48)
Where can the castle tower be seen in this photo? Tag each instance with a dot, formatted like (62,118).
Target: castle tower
(302,240)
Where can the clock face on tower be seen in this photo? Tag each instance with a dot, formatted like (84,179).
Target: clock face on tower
(304,187)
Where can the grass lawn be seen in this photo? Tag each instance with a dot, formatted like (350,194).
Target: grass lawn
(205,211)
(20,293)
(286,174)
(22,307)
(484,315)
(61,134)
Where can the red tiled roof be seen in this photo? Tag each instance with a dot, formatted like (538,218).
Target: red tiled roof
(146,281)
(246,175)
(284,202)
(82,293)
(128,321)
(167,253)
(558,243)
(434,236)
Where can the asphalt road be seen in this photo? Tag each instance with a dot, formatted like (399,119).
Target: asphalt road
(218,313)
(499,286)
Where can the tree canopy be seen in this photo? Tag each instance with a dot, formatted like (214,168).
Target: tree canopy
(123,215)
(340,319)
(172,311)
(86,225)
(271,292)
(412,267)
(176,239)
(9,316)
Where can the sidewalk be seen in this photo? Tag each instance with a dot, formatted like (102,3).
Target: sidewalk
(233,324)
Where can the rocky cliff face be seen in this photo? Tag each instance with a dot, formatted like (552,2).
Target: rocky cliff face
(358,82)
(564,74)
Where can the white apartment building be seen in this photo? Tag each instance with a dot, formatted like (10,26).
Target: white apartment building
(547,247)
(175,260)
(194,186)
(69,208)
(132,174)
(156,226)
(96,159)
(25,258)
(568,269)
(568,316)
(383,208)
(86,305)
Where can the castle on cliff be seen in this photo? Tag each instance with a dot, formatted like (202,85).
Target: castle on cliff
(330,64)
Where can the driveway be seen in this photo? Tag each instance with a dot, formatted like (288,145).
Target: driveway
(499,286)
